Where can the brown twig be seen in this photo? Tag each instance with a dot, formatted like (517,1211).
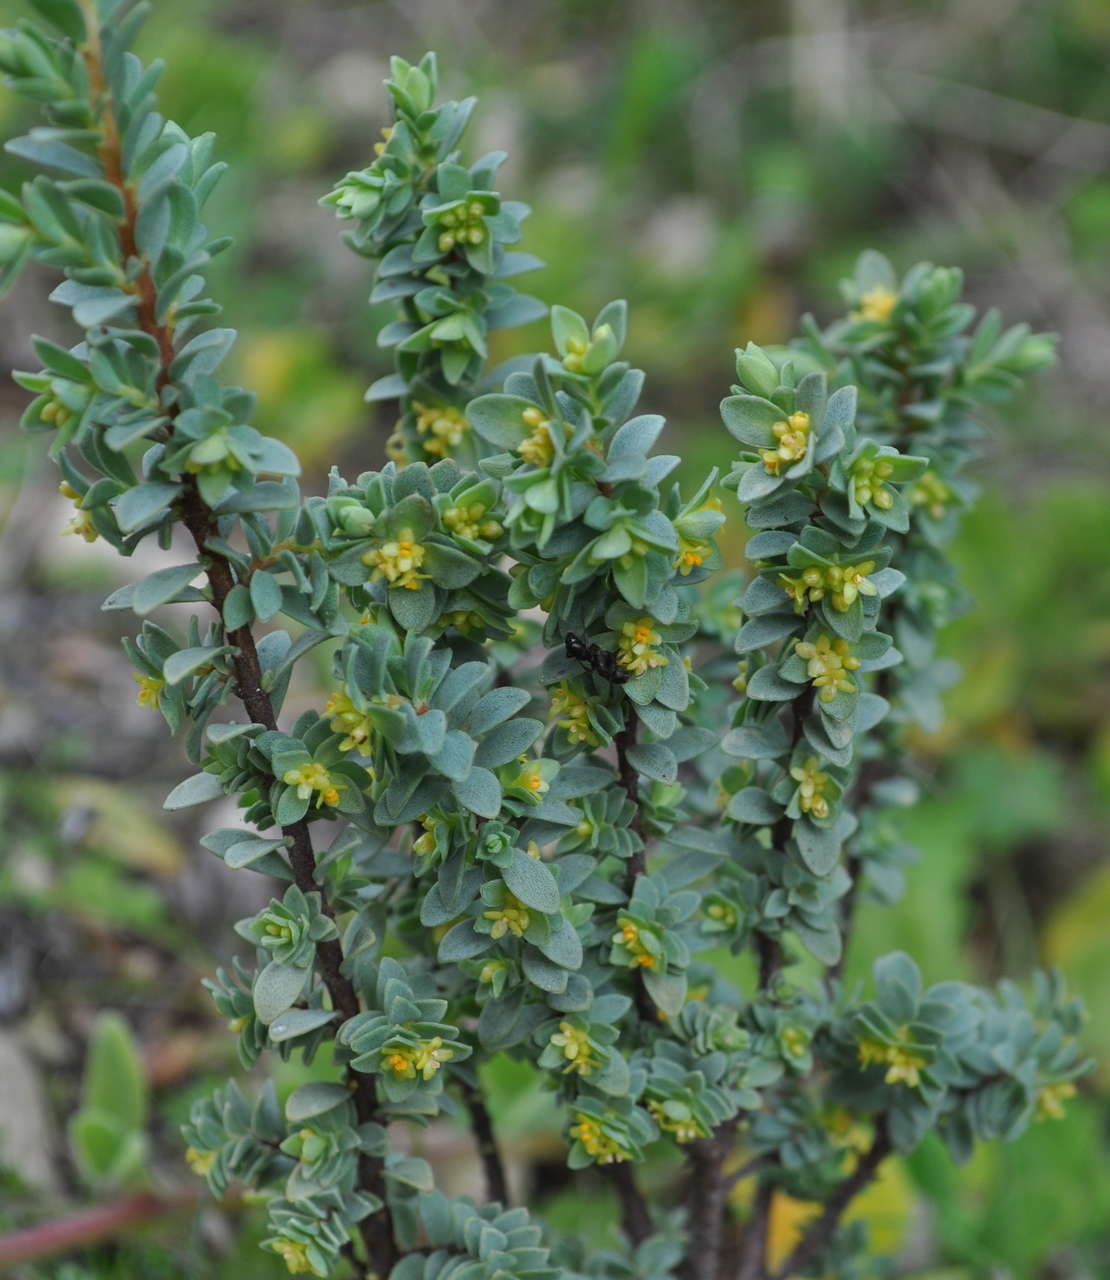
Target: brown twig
(624,741)
(485,1139)
(377,1229)
(753,1248)
(80,1230)
(822,1228)
(635,1216)
(706,1195)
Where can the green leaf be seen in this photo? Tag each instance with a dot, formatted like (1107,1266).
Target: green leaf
(499,419)
(507,741)
(314,1099)
(299,1022)
(161,587)
(668,990)
(766,685)
(414,610)
(411,1171)
(750,419)
(753,805)
(562,945)
(198,789)
(568,326)
(531,882)
(115,1082)
(265,593)
(461,942)
(61,362)
(186,662)
(138,506)
(819,847)
(448,567)
(480,792)
(97,1143)
(654,760)
(276,988)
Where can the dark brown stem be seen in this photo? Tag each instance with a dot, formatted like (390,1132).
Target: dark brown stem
(635,1217)
(706,1195)
(377,1229)
(753,1249)
(485,1139)
(749,1167)
(105,1222)
(871,773)
(624,741)
(821,1231)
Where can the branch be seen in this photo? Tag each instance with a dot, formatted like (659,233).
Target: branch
(624,741)
(821,1230)
(80,1230)
(493,1166)
(753,1250)
(377,1229)
(706,1195)
(635,1216)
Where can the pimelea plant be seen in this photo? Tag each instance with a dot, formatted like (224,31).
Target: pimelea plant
(541,807)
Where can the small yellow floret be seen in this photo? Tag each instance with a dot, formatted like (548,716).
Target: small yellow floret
(876,305)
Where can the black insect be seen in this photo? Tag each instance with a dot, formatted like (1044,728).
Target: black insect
(594,658)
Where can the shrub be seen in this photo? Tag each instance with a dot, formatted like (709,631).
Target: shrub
(529,820)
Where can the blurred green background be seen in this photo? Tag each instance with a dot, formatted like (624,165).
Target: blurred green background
(720,165)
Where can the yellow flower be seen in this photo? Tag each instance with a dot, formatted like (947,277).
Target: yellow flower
(576,349)
(604,1149)
(294,1255)
(199,1161)
(811,787)
(531,779)
(723,913)
(637,649)
(397,561)
(467,522)
(462,225)
(431,1055)
(348,719)
(512,918)
(684,1130)
(440,427)
(82,523)
(401,1060)
(314,777)
(828,662)
(571,710)
(576,1049)
(692,554)
(628,936)
(903,1065)
(150,690)
(1051,1099)
(426,843)
(387,133)
(794,1041)
(848,581)
(538,448)
(792,435)
(931,493)
(868,477)
(56,413)
(876,305)
(465,621)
